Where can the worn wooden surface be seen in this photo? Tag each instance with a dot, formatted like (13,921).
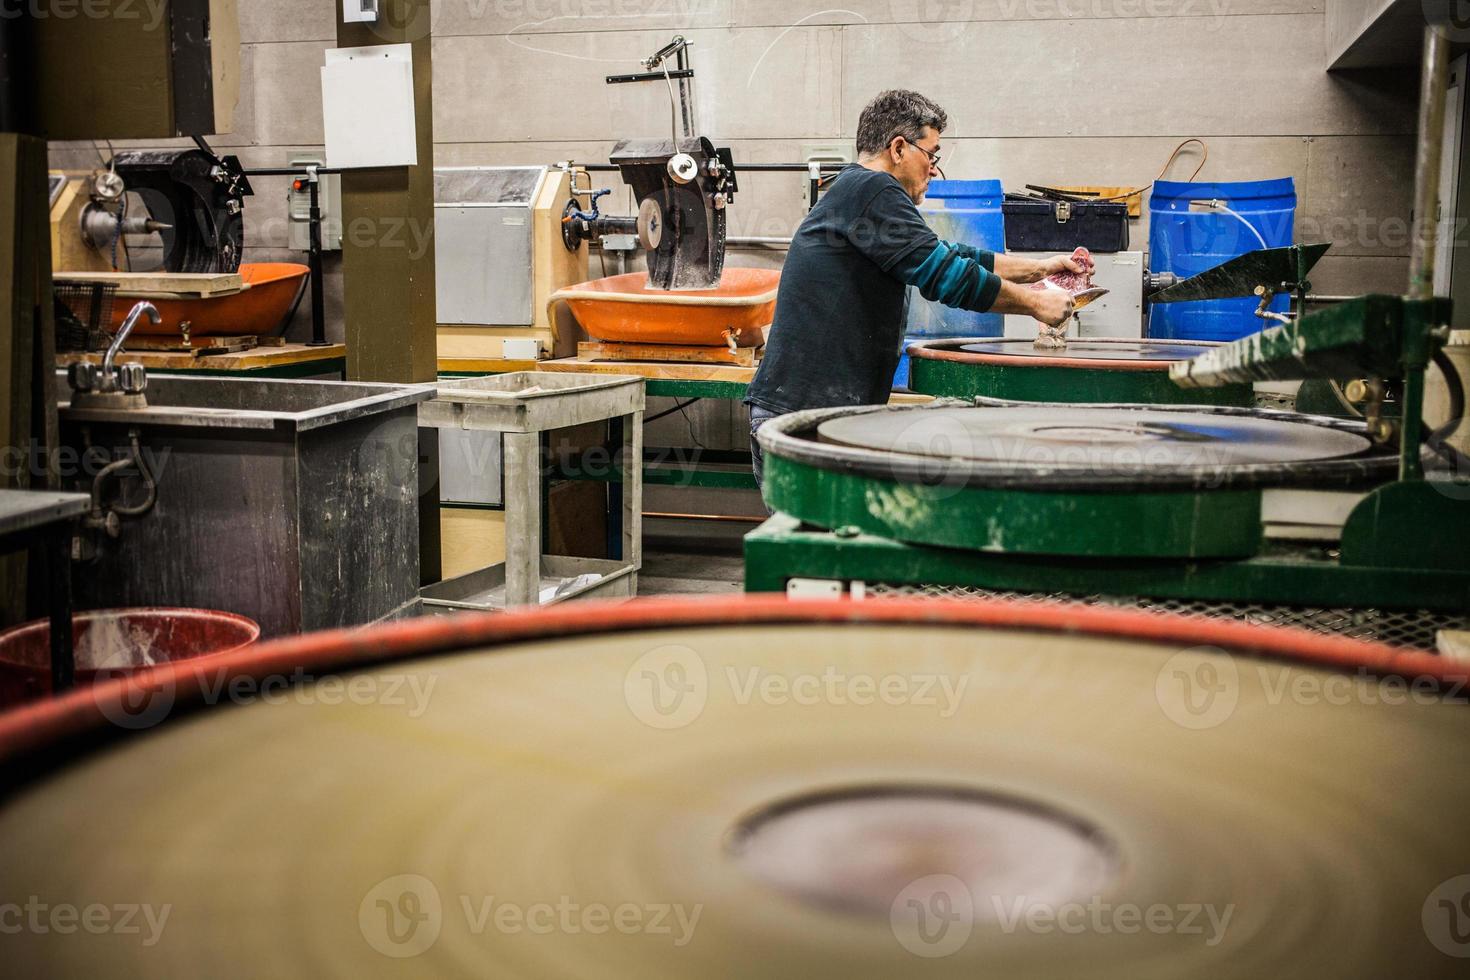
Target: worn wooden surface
(261,358)
(135,70)
(68,251)
(597,350)
(189,284)
(388,253)
(27,343)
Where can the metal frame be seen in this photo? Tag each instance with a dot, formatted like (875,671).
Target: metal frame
(783,548)
(43,521)
(656,472)
(523,406)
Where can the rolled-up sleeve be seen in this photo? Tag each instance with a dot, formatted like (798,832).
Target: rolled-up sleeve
(894,235)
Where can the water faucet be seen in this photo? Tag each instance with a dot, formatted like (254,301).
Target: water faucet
(134,315)
(112,379)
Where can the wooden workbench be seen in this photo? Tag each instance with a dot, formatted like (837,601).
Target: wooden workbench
(288,361)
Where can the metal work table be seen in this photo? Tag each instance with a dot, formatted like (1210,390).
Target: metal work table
(523,406)
(44,517)
(288,361)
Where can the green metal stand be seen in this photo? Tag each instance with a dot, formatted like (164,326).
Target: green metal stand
(1291,575)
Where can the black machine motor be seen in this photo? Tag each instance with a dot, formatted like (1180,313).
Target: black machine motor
(683,192)
(201,196)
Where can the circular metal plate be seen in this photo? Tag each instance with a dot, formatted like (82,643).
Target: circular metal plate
(1059,436)
(564,807)
(1093,350)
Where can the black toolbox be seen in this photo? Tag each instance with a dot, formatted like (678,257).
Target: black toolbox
(1036,224)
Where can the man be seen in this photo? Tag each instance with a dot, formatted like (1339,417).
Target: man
(843,302)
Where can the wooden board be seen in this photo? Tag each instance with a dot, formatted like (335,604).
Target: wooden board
(200,284)
(601,351)
(68,252)
(27,342)
(201,347)
(1135,195)
(261,358)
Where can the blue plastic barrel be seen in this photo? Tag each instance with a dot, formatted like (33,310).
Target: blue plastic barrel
(965,211)
(1187,240)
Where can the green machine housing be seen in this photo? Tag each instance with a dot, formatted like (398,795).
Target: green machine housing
(1400,571)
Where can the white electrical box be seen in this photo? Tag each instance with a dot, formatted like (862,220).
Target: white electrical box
(329,203)
(1118,314)
(359,11)
(368,109)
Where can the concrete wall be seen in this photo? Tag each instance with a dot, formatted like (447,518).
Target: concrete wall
(1039,91)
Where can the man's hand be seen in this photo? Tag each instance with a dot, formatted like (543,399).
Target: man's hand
(1052,306)
(1076,264)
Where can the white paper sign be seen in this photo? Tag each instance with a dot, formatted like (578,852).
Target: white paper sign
(367,107)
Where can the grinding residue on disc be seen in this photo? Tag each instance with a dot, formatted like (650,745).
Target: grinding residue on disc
(1092,350)
(803,800)
(1082,435)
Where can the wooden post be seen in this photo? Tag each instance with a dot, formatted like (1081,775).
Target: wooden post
(27,344)
(388,255)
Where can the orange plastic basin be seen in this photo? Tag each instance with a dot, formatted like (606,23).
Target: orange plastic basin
(259,310)
(622,309)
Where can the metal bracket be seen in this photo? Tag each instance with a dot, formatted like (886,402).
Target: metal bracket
(652,76)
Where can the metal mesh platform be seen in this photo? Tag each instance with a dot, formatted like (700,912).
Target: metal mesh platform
(1411,630)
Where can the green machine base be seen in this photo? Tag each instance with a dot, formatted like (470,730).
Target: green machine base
(1286,584)
(1092,371)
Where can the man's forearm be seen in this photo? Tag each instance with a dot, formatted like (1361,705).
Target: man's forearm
(1013,268)
(1016,299)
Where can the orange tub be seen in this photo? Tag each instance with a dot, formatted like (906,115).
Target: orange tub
(622,309)
(259,310)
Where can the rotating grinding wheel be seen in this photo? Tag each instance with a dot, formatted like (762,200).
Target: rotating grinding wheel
(650,224)
(1095,370)
(1116,481)
(757,789)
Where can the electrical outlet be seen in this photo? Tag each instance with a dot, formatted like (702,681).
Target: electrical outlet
(360,11)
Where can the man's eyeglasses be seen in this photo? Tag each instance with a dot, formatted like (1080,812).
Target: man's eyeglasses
(931,154)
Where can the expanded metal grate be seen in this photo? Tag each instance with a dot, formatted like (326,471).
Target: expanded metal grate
(83,312)
(1413,630)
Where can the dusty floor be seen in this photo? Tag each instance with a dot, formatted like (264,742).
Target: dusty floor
(692,559)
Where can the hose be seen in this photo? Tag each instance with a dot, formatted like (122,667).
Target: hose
(1217,206)
(1438,440)
(1167,164)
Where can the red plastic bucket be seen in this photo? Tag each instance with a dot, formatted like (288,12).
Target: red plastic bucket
(113,643)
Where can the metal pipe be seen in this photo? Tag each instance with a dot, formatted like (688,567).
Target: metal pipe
(794,168)
(1433,86)
(314,260)
(300,171)
(122,335)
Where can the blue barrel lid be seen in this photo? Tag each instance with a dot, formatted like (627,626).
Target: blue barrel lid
(1243,195)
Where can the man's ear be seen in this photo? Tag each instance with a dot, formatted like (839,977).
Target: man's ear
(896,147)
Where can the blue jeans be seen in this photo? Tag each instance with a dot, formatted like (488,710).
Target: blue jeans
(758,418)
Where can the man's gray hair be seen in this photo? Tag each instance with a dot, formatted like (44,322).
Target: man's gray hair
(897,112)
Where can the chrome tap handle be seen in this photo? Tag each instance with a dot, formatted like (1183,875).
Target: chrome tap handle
(108,372)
